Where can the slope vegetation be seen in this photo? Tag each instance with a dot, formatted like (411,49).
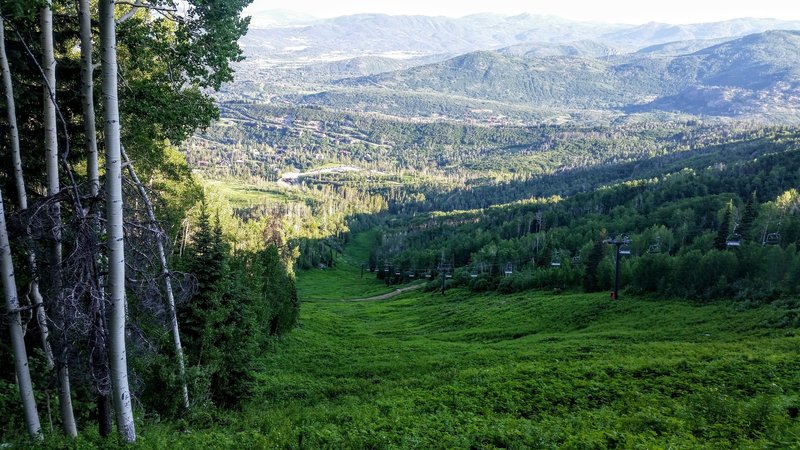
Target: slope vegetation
(521,371)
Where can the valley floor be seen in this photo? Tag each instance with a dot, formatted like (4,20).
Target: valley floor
(531,370)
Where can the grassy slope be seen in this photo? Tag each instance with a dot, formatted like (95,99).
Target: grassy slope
(343,281)
(521,371)
(242,195)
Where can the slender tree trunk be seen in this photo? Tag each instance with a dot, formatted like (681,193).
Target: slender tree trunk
(105,421)
(22,195)
(53,187)
(15,327)
(90,130)
(162,257)
(87,96)
(116,243)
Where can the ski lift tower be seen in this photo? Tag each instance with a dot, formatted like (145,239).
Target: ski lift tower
(621,244)
(444,271)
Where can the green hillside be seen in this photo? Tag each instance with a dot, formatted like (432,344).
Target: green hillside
(531,370)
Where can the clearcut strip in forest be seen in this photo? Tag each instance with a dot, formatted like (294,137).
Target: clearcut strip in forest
(532,370)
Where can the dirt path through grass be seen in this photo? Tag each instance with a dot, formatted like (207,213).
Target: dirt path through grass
(387,296)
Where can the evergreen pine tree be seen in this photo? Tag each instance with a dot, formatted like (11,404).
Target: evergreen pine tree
(234,338)
(279,290)
(721,240)
(204,260)
(749,216)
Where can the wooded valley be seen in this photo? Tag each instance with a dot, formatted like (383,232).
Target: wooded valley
(539,233)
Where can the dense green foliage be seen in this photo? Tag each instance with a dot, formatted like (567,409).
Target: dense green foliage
(244,298)
(241,300)
(518,371)
(681,225)
(258,140)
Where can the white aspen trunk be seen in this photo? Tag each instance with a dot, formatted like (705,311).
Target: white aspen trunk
(90,130)
(53,187)
(87,96)
(162,257)
(116,243)
(22,195)
(15,328)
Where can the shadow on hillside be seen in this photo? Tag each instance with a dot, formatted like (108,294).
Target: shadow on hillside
(568,182)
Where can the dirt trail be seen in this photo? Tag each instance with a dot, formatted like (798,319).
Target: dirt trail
(387,296)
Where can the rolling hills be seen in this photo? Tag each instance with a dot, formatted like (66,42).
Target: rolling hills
(524,68)
(755,75)
(360,34)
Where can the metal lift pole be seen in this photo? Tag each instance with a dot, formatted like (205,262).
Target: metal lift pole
(617,245)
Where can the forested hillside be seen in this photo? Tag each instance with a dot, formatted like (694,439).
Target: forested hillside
(736,223)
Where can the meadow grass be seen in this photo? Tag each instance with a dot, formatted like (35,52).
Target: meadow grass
(529,370)
(243,195)
(344,280)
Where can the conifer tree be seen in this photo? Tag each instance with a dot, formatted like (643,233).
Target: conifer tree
(721,240)
(749,216)
(204,261)
(279,290)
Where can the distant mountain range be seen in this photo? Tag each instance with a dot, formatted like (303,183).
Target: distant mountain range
(748,75)
(429,66)
(374,34)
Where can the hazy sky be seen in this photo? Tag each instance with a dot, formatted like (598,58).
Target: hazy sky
(617,11)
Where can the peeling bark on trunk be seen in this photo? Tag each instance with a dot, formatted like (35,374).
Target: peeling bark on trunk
(116,245)
(53,187)
(15,328)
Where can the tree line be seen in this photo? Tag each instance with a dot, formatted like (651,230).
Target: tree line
(119,294)
(724,231)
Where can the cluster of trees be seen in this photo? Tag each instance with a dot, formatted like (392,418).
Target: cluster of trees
(444,166)
(241,300)
(304,137)
(92,292)
(479,165)
(723,231)
(307,136)
(318,228)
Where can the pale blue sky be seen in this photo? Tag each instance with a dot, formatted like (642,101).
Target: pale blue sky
(617,11)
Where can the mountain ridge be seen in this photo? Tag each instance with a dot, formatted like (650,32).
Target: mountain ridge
(756,70)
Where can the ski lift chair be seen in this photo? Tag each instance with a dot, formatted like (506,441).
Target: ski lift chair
(655,248)
(734,241)
(556,261)
(773,239)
